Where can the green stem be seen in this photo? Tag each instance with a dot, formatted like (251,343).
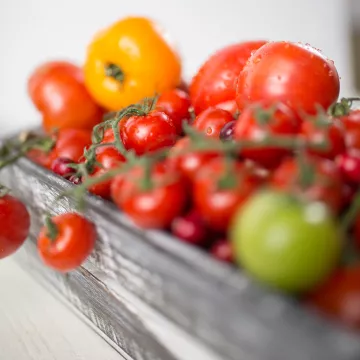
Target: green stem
(146,183)
(52,229)
(228,180)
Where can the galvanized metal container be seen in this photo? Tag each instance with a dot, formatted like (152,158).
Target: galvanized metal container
(155,298)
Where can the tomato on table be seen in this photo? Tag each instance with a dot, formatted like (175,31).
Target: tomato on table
(128,61)
(214,83)
(297,75)
(73,241)
(58,91)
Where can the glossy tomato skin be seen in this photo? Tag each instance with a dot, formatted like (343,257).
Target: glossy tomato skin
(148,133)
(216,204)
(70,144)
(211,121)
(175,103)
(58,91)
(214,84)
(339,297)
(73,244)
(154,208)
(15,225)
(283,122)
(326,187)
(188,163)
(333,133)
(294,74)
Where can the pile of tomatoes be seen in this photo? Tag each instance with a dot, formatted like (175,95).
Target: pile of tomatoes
(254,162)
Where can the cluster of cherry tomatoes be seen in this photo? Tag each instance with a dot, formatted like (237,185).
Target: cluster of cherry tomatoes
(255,161)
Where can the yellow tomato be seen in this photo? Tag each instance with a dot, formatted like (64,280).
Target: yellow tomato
(129,61)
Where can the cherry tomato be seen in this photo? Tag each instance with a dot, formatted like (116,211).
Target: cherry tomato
(71,143)
(219,191)
(188,163)
(148,133)
(339,297)
(326,182)
(40,157)
(352,126)
(349,165)
(294,74)
(15,225)
(74,241)
(227,132)
(153,207)
(331,132)
(285,243)
(223,251)
(211,121)
(58,91)
(61,167)
(175,103)
(259,121)
(214,83)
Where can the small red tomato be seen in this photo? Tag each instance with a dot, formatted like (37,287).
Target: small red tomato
(339,297)
(61,167)
(257,122)
(40,157)
(294,74)
(190,228)
(15,225)
(325,183)
(352,126)
(175,103)
(188,163)
(222,251)
(153,206)
(58,91)
(148,133)
(219,190)
(215,82)
(71,143)
(211,121)
(74,241)
(229,106)
(349,165)
(331,132)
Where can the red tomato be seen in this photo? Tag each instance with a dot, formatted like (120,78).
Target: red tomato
(15,225)
(211,121)
(352,126)
(332,132)
(222,250)
(175,103)
(70,144)
(250,126)
(349,165)
(215,82)
(339,297)
(217,202)
(57,90)
(74,242)
(40,157)
(326,185)
(294,74)
(148,133)
(151,208)
(229,106)
(189,162)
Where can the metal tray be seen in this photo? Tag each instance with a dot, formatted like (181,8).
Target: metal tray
(154,297)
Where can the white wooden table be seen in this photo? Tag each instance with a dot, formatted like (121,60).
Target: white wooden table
(34,325)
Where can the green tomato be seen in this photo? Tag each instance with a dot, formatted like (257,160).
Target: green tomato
(284,243)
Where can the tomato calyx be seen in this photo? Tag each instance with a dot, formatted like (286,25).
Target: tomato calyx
(3,191)
(52,229)
(343,107)
(114,71)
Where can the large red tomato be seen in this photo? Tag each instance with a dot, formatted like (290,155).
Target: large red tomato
(215,82)
(295,74)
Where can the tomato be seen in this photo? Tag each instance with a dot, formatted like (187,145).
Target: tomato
(40,157)
(326,183)
(58,91)
(294,74)
(339,296)
(218,192)
(128,61)
(222,250)
(70,144)
(331,132)
(211,121)
(15,225)
(187,162)
(153,207)
(148,133)
(257,122)
(284,243)
(74,241)
(175,103)
(349,165)
(214,83)
(352,126)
